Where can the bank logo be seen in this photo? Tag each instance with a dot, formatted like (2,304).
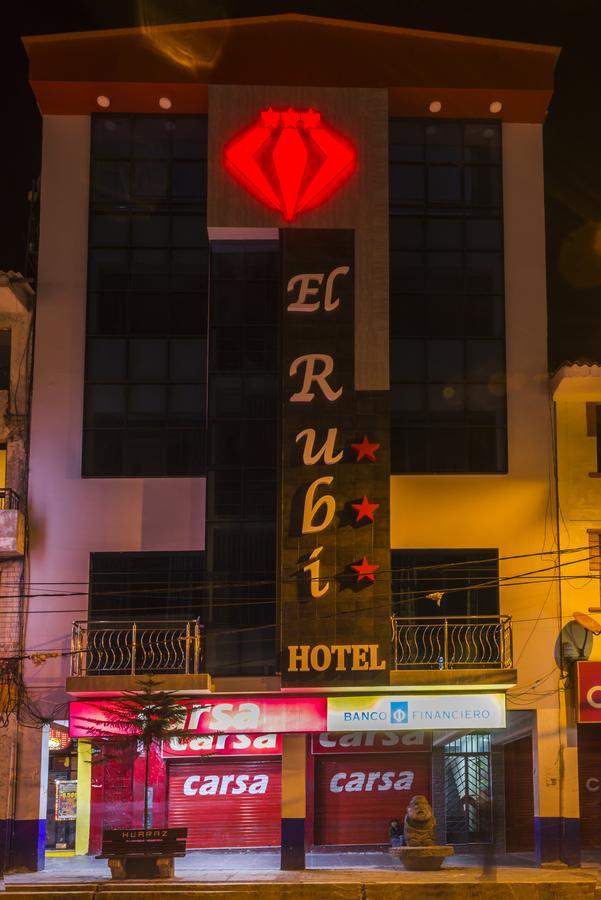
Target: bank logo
(399,712)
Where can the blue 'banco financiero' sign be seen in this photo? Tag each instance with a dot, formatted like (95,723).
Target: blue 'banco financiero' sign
(411,711)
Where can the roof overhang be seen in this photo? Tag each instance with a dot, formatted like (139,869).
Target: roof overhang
(577,382)
(134,67)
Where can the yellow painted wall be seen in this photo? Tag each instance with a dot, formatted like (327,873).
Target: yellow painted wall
(579,496)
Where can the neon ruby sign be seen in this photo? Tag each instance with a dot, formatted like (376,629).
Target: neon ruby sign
(290,160)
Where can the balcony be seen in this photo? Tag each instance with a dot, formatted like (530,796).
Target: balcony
(112,656)
(453,652)
(12,525)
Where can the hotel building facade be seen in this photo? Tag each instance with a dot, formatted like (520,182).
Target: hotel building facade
(292,440)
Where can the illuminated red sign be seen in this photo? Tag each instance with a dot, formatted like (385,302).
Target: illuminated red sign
(589,691)
(290,160)
(263,715)
(371,741)
(223,745)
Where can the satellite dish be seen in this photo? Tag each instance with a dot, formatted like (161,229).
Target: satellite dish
(587,622)
(576,641)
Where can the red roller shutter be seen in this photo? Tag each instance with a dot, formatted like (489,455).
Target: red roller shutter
(589,772)
(226,803)
(357,795)
(519,796)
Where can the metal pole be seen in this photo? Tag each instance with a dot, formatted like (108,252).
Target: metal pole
(196,647)
(187,648)
(446,644)
(133,648)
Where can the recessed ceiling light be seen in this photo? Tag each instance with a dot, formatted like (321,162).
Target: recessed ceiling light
(165,103)
(103,101)
(496,106)
(435,106)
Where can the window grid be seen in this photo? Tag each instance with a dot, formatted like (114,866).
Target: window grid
(447,325)
(145,396)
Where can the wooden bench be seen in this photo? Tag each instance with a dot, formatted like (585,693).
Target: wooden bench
(143,852)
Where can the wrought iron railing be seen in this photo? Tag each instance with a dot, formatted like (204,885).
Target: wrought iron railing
(136,648)
(9,499)
(460,642)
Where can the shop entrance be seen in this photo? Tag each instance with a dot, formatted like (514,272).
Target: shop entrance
(356,796)
(468,790)
(61,810)
(226,803)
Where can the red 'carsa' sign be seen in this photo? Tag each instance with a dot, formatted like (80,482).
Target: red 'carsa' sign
(371,741)
(589,691)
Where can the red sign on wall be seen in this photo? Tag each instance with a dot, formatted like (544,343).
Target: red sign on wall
(371,742)
(588,689)
(223,745)
(223,715)
(290,160)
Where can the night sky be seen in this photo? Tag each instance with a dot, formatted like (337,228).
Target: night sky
(572,131)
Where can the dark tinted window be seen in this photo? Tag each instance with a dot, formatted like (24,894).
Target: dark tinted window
(146,358)
(242,456)
(447,327)
(4,360)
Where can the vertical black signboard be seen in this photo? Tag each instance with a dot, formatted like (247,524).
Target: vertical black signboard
(334,529)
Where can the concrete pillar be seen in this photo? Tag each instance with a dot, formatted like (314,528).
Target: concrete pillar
(29,836)
(556,803)
(294,800)
(8,756)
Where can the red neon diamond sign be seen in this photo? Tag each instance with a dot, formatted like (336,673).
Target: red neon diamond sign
(290,160)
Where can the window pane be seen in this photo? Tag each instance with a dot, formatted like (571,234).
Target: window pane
(103,452)
(105,404)
(107,313)
(407,183)
(444,234)
(109,231)
(188,181)
(407,360)
(187,359)
(150,179)
(189,138)
(111,136)
(106,359)
(110,181)
(445,361)
(444,184)
(108,269)
(150,230)
(483,234)
(148,360)
(146,403)
(151,137)
(187,403)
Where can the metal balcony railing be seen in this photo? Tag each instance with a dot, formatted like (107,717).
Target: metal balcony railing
(9,499)
(136,648)
(460,642)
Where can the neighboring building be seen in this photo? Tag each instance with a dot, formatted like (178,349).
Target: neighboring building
(577,394)
(16,346)
(290,382)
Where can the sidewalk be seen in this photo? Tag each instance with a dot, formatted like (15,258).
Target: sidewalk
(248,873)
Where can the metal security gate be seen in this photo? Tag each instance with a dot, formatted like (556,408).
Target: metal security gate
(519,795)
(357,795)
(468,789)
(589,776)
(226,803)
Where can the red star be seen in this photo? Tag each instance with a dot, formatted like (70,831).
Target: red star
(270,118)
(365,509)
(310,119)
(365,570)
(290,118)
(366,449)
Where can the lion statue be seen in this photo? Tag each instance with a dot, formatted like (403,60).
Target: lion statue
(419,825)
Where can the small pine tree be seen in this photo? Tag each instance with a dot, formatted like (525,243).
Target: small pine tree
(145,716)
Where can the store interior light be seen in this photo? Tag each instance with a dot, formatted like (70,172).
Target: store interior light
(435,106)
(496,106)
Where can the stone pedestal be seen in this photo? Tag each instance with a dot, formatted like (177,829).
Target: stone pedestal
(422,859)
